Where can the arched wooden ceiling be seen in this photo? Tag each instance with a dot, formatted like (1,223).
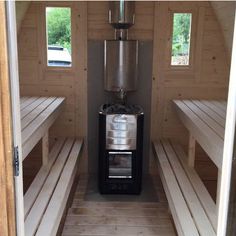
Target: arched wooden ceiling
(21,9)
(225,14)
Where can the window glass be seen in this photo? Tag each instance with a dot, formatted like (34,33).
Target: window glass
(58,26)
(181,36)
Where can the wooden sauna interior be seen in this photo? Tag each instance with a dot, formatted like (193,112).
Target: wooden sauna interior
(206,78)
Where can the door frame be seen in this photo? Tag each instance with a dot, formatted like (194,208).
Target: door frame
(15,109)
(228,152)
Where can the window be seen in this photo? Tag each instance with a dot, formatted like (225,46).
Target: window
(181,39)
(58,27)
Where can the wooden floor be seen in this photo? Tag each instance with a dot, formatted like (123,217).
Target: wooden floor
(129,218)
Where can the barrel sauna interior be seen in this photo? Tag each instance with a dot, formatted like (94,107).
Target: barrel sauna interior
(61,141)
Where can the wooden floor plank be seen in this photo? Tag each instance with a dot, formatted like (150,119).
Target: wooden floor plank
(116,204)
(118,230)
(116,218)
(110,211)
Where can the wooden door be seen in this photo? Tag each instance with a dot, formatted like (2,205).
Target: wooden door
(8,26)
(7,203)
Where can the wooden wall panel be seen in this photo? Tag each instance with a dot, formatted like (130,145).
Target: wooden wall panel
(208,79)
(100,29)
(38,80)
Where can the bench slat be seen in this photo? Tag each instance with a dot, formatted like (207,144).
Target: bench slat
(214,108)
(210,112)
(35,112)
(31,107)
(220,105)
(53,214)
(200,218)
(209,140)
(23,99)
(35,215)
(180,212)
(38,182)
(36,129)
(27,102)
(219,130)
(200,189)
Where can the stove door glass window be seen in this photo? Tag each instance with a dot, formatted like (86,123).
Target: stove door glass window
(120,165)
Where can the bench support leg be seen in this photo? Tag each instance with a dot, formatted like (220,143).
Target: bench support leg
(45,149)
(191,151)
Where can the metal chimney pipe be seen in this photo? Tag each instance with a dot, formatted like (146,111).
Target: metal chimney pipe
(121,14)
(121,54)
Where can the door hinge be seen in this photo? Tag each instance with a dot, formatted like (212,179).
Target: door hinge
(16,161)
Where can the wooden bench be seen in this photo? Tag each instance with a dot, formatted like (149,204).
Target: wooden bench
(205,120)
(46,198)
(192,208)
(37,116)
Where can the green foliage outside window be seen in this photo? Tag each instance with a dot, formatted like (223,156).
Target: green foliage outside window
(181,38)
(58,21)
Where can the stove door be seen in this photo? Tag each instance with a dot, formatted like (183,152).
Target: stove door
(120,165)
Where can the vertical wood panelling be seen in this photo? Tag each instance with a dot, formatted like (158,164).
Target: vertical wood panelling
(208,79)
(99,29)
(37,79)
(7,206)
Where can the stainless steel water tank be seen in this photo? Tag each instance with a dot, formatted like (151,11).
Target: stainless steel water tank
(121,14)
(120,65)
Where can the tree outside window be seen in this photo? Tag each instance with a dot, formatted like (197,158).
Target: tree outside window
(181,36)
(58,25)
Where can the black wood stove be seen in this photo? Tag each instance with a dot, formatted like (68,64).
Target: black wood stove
(120,149)
(120,126)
